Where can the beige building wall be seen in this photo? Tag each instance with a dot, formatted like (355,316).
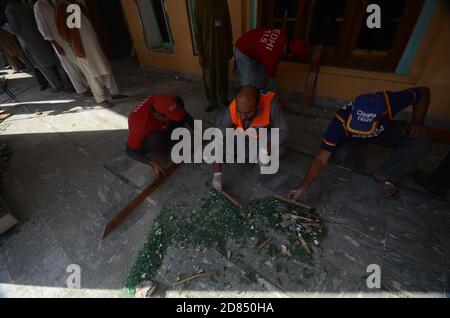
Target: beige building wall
(430,67)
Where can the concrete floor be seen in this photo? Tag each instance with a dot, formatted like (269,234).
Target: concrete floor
(69,174)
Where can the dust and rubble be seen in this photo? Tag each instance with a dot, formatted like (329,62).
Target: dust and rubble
(275,228)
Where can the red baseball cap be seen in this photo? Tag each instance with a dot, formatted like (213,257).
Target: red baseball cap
(166,105)
(298,47)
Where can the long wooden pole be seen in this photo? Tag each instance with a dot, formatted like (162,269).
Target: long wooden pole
(120,216)
(312,76)
(288,200)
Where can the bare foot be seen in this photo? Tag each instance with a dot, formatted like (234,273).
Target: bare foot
(388,187)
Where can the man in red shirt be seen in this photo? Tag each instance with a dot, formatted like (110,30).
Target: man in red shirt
(258,54)
(150,127)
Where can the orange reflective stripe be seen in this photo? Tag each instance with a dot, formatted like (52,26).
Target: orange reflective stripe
(262,119)
(342,120)
(329,143)
(388,105)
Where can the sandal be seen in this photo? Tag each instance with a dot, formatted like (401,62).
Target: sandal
(389,188)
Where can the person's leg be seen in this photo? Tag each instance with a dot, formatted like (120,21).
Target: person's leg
(40,78)
(157,142)
(439,181)
(345,154)
(209,79)
(12,61)
(96,84)
(51,75)
(110,83)
(3,61)
(250,71)
(97,89)
(70,65)
(222,83)
(405,152)
(64,78)
(259,74)
(442,173)
(273,87)
(22,58)
(241,67)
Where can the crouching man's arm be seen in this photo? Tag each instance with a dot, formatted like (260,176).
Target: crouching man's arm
(420,108)
(419,99)
(314,171)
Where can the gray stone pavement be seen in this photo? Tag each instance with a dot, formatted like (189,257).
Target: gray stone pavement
(69,174)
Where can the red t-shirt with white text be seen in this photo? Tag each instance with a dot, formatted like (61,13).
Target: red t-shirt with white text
(141,123)
(265,46)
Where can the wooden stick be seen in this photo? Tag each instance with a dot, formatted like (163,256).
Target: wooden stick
(296,217)
(309,223)
(119,217)
(231,199)
(4,116)
(306,219)
(285,199)
(203,275)
(305,246)
(264,244)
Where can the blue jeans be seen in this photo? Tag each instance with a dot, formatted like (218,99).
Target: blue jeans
(405,151)
(251,72)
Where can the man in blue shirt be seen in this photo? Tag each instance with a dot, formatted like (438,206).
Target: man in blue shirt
(369,120)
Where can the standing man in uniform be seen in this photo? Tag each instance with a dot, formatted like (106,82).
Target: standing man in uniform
(214,38)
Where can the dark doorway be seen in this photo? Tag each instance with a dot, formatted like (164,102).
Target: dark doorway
(111,28)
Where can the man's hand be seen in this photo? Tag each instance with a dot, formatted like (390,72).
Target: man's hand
(297,193)
(264,158)
(217,181)
(157,170)
(415,131)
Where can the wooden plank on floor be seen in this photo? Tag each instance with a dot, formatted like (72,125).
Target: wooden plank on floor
(121,215)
